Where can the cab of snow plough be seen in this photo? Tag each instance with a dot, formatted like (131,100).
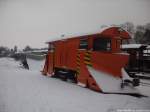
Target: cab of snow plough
(76,58)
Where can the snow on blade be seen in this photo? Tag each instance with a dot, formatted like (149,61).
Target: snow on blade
(109,83)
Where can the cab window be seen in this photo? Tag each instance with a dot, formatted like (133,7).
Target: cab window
(83,44)
(102,44)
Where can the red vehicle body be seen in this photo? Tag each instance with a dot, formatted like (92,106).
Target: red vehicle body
(69,58)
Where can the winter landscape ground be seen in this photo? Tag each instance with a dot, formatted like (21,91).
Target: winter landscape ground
(24,90)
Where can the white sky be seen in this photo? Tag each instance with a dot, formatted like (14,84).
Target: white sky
(32,22)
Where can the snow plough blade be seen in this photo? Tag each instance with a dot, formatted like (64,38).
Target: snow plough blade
(112,85)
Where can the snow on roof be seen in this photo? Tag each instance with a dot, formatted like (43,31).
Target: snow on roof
(67,36)
(71,35)
(127,46)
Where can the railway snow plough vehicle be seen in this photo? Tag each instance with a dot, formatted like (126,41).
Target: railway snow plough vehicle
(94,61)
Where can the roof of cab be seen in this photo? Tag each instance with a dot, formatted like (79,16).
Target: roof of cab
(112,31)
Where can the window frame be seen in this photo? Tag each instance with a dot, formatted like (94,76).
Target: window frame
(108,45)
(83,45)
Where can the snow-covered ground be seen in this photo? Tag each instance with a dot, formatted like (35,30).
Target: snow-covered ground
(28,91)
(36,65)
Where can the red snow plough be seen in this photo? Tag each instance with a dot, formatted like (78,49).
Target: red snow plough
(94,61)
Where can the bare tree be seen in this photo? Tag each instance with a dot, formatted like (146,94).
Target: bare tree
(27,48)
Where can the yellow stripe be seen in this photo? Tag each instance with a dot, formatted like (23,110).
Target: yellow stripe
(87,58)
(89,51)
(87,54)
(78,64)
(78,71)
(78,59)
(88,63)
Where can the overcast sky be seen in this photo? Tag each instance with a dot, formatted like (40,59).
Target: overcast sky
(32,22)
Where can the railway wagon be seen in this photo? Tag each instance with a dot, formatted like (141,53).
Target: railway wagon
(75,58)
(139,60)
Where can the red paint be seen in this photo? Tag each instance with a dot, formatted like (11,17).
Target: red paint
(109,62)
(48,67)
(66,51)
